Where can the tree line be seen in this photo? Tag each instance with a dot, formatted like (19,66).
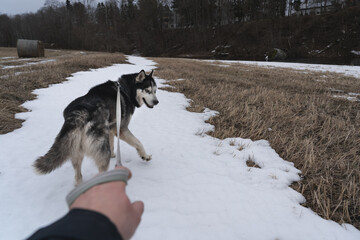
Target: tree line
(128,25)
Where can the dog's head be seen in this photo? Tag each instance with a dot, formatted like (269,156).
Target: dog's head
(146,89)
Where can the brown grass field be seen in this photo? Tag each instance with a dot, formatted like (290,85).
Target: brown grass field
(295,111)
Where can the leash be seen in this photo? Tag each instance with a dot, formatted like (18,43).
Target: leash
(121,175)
(118,123)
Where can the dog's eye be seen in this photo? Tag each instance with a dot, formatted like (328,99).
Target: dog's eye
(147,90)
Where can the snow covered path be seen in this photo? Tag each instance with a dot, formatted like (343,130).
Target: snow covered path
(195,187)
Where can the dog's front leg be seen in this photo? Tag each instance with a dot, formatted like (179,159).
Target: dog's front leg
(128,137)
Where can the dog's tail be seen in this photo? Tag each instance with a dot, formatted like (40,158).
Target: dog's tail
(59,152)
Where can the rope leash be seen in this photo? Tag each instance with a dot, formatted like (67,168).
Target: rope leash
(118,123)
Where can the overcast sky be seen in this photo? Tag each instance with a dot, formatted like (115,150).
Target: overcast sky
(12,7)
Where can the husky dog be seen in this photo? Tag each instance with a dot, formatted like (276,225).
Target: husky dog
(90,124)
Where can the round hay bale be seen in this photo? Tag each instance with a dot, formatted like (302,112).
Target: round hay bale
(30,48)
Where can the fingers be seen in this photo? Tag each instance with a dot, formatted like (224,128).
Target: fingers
(125,168)
(138,207)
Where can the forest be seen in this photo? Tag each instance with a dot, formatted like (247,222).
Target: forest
(155,27)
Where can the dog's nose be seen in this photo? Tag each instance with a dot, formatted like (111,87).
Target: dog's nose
(156,102)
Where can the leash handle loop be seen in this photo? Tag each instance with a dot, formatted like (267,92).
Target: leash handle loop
(110,176)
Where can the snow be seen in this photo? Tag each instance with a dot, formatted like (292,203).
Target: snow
(29,64)
(195,186)
(6,58)
(13,59)
(349,98)
(355,52)
(352,97)
(353,71)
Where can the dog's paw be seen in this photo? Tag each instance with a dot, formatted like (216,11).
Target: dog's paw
(146,157)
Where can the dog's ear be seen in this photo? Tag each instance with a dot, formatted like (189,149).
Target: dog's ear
(151,73)
(141,76)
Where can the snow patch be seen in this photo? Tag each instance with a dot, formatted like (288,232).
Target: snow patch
(347,97)
(355,52)
(29,64)
(353,71)
(353,97)
(6,57)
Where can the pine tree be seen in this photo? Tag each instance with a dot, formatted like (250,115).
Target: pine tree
(68,5)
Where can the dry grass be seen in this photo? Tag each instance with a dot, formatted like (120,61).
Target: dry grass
(309,127)
(7,52)
(296,112)
(16,84)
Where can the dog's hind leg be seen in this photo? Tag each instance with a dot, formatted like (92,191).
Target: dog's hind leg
(98,138)
(98,147)
(111,140)
(102,159)
(76,162)
(103,164)
(128,137)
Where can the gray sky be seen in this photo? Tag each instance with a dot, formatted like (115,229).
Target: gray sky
(12,7)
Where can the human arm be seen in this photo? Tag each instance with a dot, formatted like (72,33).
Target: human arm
(100,210)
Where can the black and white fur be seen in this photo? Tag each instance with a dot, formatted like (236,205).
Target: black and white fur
(90,124)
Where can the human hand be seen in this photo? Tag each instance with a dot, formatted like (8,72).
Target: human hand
(111,200)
